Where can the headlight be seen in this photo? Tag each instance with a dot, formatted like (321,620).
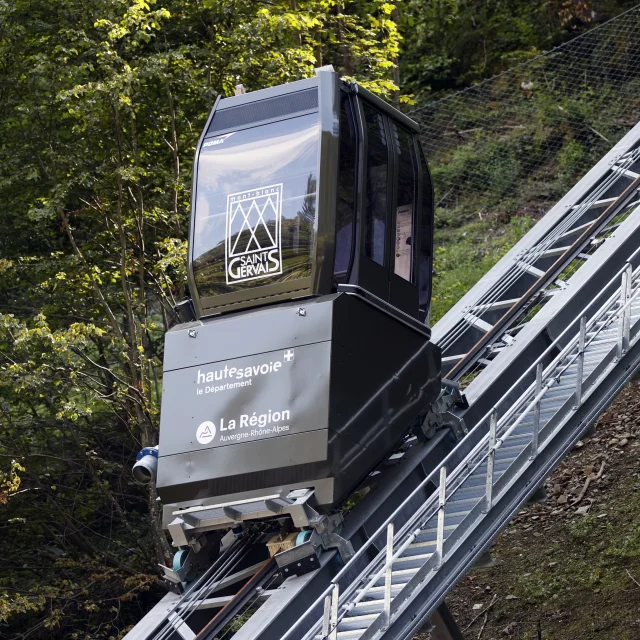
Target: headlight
(146,467)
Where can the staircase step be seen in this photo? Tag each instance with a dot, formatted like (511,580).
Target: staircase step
(458,503)
(421,549)
(498,465)
(469,492)
(400,576)
(375,594)
(431,534)
(344,635)
(375,606)
(356,622)
(411,561)
(479,480)
(515,442)
(510,449)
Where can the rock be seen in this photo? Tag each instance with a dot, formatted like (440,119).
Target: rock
(582,511)
(477,606)
(613,442)
(511,597)
(557,488)
(562,499)
(509,630)
(579,444)
(552,564)
(623,442)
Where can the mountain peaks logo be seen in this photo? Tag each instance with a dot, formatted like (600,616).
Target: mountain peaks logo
(254,224)
(206,432)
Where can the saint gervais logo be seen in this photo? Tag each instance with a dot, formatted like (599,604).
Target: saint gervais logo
(206,432)
(253,246)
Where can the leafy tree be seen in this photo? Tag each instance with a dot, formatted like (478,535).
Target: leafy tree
(450,44)
(101,104)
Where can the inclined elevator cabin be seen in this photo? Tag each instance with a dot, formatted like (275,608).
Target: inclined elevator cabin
(304,356)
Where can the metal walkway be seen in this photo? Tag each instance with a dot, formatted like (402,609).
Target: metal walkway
(477,497)
(520,323)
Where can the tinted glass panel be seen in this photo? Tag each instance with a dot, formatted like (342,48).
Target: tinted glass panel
(426,240)
(345,218)
(256,206)
(376,194)
(407,171)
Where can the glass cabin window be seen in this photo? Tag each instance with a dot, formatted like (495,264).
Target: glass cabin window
(426,240)
(256,206)
(345,219)
(407,169)
(376,190)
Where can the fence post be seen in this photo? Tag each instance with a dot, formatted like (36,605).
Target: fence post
(536,413)
(441,501)
(386,612)
(493,425)
(580,362)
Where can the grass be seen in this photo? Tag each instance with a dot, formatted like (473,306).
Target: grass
(465,251)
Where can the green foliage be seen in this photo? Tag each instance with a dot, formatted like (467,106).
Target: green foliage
(465,252)
(101,105)
(521,155)
(450,44)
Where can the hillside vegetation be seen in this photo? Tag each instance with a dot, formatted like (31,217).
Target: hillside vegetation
(101,105)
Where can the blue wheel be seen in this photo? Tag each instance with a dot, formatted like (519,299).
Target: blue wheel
(303,537)
(178,559)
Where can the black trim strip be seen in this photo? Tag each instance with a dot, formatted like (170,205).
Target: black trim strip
(385,307)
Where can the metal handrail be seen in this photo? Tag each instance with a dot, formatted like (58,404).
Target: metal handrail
(471,456)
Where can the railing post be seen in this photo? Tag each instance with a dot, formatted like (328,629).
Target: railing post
(623,324)
(627,313)
(580,362)
(333,624)
(441,501)
(493,425)
(536,413)
(326,618)
(386,612)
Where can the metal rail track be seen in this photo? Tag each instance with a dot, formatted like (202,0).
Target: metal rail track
(247,597)
(488,318)
(578,250)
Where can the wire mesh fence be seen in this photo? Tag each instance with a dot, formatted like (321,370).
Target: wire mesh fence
(514,144)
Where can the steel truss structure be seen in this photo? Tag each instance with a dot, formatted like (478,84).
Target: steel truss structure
(560,316)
